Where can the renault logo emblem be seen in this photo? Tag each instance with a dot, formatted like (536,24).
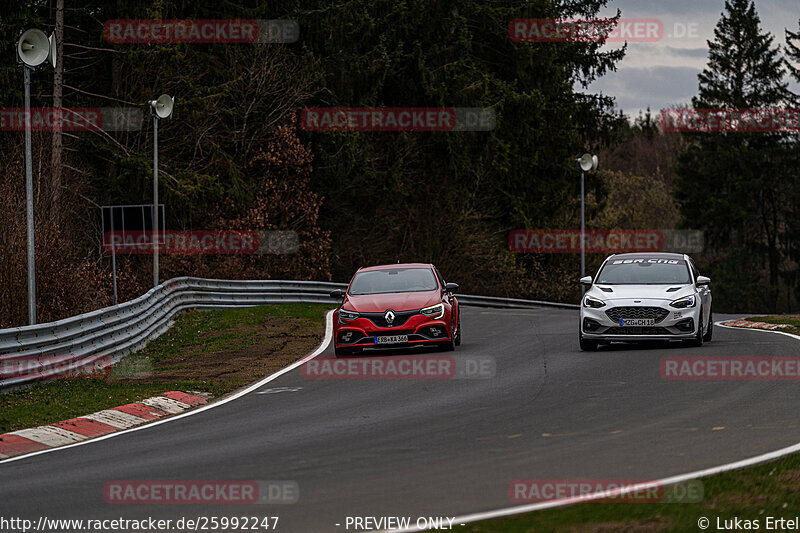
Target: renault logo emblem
(389,316)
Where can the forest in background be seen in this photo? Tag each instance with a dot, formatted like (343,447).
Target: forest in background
(234,156)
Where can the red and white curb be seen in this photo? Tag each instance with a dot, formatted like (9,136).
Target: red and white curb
(753,325)
(96,424)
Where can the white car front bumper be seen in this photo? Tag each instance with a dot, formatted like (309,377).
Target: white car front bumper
(669,323)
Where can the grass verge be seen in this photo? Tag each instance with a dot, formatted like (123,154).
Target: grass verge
(792,321)
(768,490)
(210,351)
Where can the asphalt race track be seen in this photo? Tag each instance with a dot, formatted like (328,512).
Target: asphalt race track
(437,447)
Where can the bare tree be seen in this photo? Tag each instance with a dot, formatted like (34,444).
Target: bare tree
(58,86)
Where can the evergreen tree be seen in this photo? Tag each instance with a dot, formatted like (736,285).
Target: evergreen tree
(745,68)
(792,238)
(732,184)
(793,53)
(479,184)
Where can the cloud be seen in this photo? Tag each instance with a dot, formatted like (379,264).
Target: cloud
(654,87)
(647,55)
(664,73)
(694,53)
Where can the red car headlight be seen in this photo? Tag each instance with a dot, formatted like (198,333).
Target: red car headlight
(434,311)
(347,315)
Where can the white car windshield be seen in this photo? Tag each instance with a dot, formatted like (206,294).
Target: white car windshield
(394,280)
(644,271)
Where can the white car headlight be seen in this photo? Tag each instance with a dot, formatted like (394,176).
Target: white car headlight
(593,303)
(683,303)
(434,311)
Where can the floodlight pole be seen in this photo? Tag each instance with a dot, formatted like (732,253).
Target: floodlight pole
(586,163)
(29,199)
(29,54)
(155,200)
(160,108)
(114,256)
(583,228)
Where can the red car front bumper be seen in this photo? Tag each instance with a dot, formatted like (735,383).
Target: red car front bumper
(363,332)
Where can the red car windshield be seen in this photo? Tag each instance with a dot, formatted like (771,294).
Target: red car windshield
(394,280)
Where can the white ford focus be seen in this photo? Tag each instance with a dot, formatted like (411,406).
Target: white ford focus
(646,296)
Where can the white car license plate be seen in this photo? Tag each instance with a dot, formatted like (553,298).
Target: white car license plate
(637,321)
(392,339)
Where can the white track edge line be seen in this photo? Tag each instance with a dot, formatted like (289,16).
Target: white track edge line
(321,348)
(540,506)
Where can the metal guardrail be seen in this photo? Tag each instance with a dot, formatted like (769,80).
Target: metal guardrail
(509,303)
(92,341)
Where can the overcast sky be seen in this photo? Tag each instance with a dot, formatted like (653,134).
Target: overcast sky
(664,73)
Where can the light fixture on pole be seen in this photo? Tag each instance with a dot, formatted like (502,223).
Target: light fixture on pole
(587,163)
(33,49)
(159,108)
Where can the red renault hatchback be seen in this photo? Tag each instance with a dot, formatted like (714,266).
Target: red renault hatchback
(395,306)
